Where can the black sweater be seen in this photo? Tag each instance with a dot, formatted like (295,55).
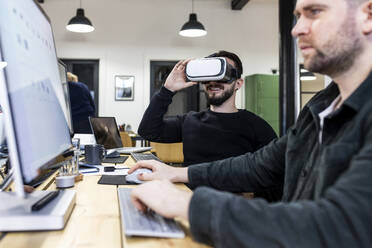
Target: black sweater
(207,135)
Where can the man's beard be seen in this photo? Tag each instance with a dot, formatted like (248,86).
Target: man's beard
(219,100)
(339,53)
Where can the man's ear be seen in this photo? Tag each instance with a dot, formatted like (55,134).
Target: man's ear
(367,20)
(239,83)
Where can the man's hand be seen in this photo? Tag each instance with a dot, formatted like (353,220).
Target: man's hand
(160,171)
(28,188)
(163,198)
(177,78)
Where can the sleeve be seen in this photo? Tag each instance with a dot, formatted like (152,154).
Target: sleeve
(91,102)
(89,96)
(342,217)
(154,127)
(250,172)
(264,133)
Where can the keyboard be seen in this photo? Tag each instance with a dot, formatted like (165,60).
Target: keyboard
(119,160)
(144,156)
(113,154)
(129,150)
(136,223)
(40,179)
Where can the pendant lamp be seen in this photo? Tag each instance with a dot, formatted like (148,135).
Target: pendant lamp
(80,23)
(192,28)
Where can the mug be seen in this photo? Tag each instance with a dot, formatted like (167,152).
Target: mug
(94,154)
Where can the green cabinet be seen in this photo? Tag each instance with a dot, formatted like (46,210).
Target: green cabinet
(262,97)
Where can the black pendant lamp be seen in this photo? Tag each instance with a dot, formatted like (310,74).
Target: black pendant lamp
(80,23)
(192,28)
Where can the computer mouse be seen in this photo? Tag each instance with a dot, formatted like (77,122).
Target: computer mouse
(132,178)
(114,154)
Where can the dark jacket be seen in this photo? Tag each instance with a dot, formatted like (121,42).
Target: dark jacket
(327,198)
(82,106)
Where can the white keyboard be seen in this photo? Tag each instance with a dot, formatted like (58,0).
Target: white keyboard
(136,223)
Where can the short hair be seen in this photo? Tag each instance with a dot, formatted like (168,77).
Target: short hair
(72,77)
(233,57)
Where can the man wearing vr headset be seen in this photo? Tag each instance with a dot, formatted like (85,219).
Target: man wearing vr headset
(324,160)
(219,132)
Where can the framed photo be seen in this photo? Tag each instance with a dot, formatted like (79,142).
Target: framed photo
(124,88)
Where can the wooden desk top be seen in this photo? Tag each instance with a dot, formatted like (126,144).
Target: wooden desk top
(94,222)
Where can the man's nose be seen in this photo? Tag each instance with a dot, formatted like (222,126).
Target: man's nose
(302,27)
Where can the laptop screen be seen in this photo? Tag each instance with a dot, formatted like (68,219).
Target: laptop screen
(106,132)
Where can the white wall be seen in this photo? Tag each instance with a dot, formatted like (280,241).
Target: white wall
(130,33)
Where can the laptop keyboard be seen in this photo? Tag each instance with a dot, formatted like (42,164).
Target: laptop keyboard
(144,156)
(40,179)
(136,223)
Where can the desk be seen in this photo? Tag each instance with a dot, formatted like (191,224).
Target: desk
(94,222)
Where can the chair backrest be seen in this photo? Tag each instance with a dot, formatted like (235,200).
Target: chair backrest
(169,152)
(126,140)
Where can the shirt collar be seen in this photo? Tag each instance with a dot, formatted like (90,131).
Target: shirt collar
(361,95)
(323,99)
(355,101)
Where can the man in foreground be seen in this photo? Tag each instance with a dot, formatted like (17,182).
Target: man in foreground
(325,158)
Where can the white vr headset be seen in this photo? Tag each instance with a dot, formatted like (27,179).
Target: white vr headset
(211,69)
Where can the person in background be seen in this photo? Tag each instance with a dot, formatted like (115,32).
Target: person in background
(82,104)
(222,131)
(219,132)
(324,160)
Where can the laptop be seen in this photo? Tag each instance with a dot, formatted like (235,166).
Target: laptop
(106,132)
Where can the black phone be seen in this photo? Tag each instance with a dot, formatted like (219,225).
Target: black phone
(108,168)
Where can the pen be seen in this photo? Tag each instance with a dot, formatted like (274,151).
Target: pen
(89,170)
(112,168)
(44,200)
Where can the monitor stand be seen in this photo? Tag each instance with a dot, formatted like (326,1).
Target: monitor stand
(16,214)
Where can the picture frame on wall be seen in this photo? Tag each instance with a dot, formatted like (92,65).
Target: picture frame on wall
(124,88)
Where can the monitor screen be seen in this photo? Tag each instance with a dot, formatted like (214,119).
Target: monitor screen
(106,132)
(2,136)
(37,130)
(67,110)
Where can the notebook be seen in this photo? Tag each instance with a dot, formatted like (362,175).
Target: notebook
(106,133)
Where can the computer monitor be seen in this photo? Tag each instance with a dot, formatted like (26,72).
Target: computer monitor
(106,132)
(32,96)
(2,136)
(67,111)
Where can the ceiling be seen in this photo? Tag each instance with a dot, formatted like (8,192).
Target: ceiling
(235,4)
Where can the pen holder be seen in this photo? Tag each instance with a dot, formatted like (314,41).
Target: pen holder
(63,182)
